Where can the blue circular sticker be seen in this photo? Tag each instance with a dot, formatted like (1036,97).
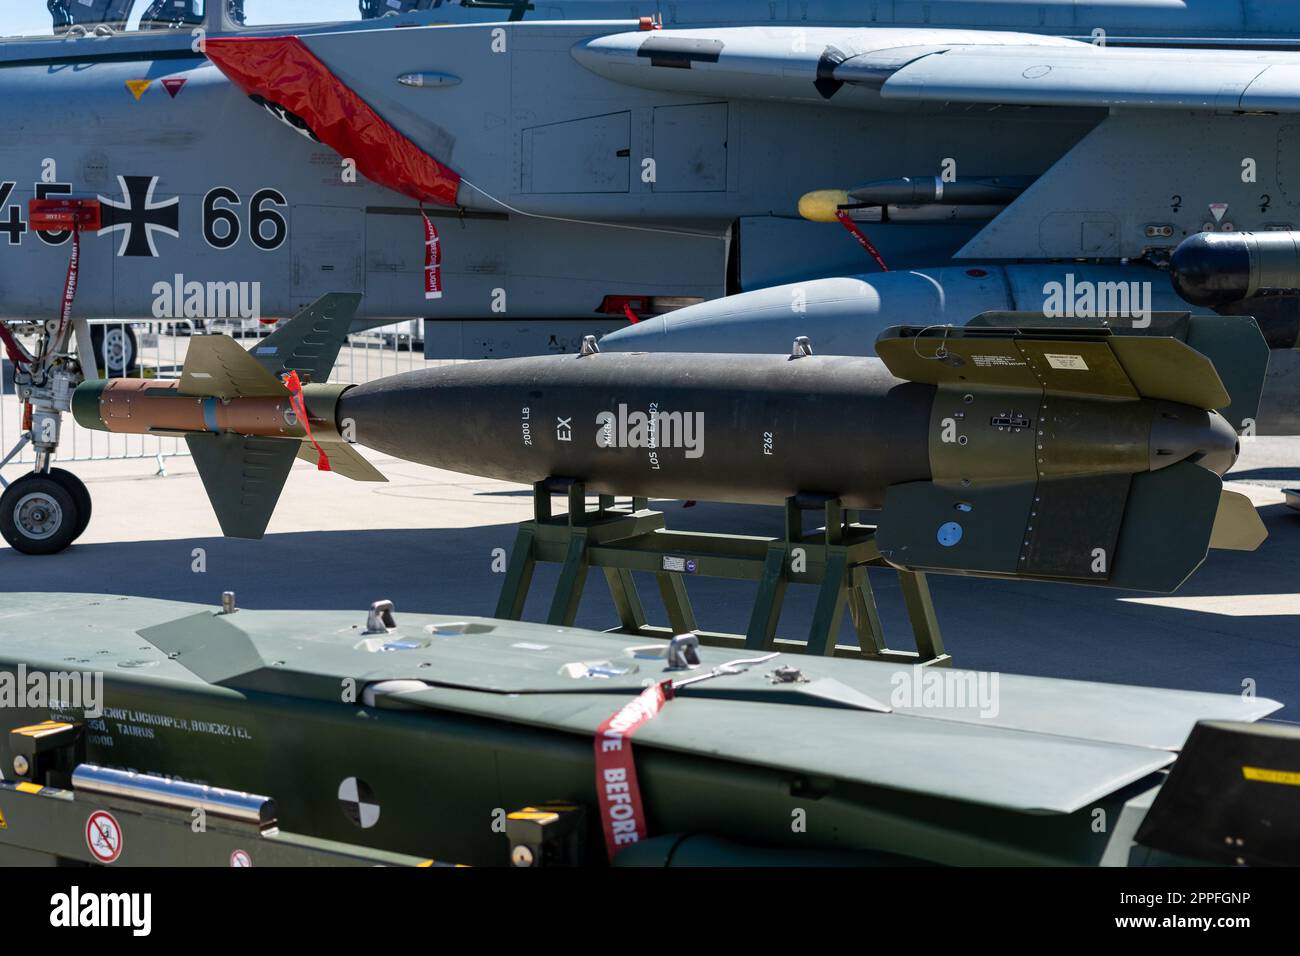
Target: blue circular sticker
(949,533)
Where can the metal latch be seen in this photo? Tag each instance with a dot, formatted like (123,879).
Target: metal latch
(683,652)
(380,620)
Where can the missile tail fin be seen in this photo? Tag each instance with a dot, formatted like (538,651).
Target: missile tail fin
(309,343)
(1237,525)
(1232,352)
(344,460)
(243,477)
(216,366)
(1143,532)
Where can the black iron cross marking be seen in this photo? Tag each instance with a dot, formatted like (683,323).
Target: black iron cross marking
(138,217)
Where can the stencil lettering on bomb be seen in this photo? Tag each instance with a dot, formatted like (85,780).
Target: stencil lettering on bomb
(654,436)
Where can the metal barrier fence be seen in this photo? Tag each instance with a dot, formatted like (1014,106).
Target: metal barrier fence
(158,349)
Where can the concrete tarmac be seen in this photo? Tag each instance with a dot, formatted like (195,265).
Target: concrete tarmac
(428,540)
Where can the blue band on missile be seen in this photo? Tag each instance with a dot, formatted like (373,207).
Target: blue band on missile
(210,415)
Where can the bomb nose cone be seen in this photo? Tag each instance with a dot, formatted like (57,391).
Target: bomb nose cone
(1211,268)
(85,404)
(1182,433)
(390,413)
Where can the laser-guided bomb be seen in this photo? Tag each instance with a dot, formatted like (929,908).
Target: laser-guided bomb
(1049,454)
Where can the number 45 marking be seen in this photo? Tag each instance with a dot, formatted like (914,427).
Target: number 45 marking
(15,226)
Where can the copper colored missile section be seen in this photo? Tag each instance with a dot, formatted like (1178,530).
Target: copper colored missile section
(138,406)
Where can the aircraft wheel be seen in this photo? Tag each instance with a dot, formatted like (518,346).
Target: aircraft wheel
(117,350)
(38,515)
(80,496)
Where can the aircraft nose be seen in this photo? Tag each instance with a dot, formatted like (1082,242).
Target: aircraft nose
(1182,433)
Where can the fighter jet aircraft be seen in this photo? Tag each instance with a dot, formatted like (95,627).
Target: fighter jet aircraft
(185,161)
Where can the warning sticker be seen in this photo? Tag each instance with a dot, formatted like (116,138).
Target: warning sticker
(1074,363)
(3,825)
(103,836)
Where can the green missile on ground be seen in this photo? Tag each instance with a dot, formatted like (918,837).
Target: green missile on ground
(311,736)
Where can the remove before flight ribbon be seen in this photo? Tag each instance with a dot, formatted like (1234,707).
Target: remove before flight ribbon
(622,815)
(300,409)
(432,259)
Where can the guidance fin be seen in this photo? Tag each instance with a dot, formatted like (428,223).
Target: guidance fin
(1142,532)
(309,343)
(1237,525)
(243,478)
(1026,506)
(216,366)
(344,460)
(1088,362)
(1233,343)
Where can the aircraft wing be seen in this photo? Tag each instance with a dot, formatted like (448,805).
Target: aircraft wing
(870,68)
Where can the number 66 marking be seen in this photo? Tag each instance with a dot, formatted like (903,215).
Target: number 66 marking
(260,218)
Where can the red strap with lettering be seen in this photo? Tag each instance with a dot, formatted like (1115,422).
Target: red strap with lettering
(70,284)
(57,215)
(631,316)
(847,222)
(432,259)
(621,813)
(300,409)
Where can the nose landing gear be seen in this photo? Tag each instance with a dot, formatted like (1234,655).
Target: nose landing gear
(44,512)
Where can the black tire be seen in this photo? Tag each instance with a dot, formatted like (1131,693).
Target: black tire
(117,349)
(80,496)
(38,515)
